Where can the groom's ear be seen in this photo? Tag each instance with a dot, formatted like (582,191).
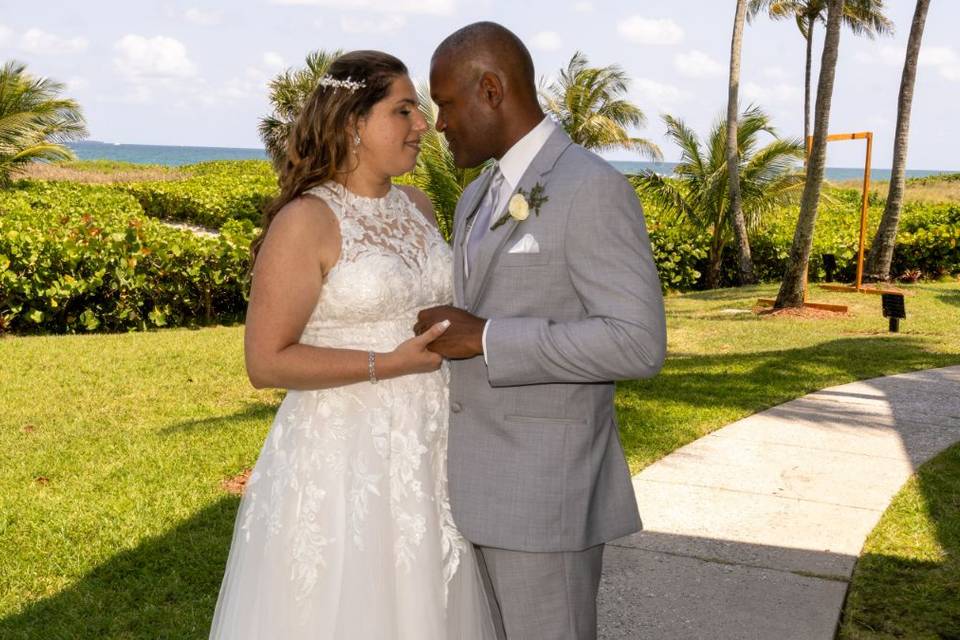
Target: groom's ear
(491,88)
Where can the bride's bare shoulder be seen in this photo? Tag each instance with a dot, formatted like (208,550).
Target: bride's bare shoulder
(306,225)
(306,212)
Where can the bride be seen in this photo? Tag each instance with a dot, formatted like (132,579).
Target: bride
(344,530)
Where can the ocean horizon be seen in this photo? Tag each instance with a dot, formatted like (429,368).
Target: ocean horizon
(174,155)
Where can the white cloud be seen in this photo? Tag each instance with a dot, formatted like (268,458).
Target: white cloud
(203,17)
(273,60)
(583,7)
(76,83)
(547,41)
(697,64)
(254,81)
(775,73)
(650,31)
(780,92)
(436,7)
(37,41)
(886,54)
(158,57)
(943,59)
(653,95)
(386,24)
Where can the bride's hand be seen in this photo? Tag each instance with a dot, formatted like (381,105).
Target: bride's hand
(412,356)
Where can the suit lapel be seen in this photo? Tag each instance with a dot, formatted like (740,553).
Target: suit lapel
(493,242)
(460,231)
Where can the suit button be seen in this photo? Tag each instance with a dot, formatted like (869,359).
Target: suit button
(456,407)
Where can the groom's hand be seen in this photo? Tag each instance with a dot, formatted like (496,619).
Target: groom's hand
(464,337)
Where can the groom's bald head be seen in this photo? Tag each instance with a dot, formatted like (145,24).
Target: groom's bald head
(488,46)
(482,80)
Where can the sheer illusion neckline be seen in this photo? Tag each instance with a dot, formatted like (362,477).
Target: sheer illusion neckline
(392,196)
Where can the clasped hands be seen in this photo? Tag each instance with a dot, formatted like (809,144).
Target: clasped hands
(464,337)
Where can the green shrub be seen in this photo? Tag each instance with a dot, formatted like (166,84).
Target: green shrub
(215,193)
(934,179)
(927,242)
(79,257)
(934,251)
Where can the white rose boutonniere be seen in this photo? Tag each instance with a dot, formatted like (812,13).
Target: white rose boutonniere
(520,205)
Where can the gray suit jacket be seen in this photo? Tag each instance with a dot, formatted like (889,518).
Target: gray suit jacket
(535,460)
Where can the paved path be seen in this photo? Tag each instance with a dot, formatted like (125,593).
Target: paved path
(753,531)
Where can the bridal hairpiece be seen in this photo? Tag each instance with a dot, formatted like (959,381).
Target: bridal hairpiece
(349,84)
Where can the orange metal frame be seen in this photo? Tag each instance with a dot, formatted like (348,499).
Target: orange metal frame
(864,202)
(864,207)
(868,135)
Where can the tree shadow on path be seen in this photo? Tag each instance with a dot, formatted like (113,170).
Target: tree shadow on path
(654,414)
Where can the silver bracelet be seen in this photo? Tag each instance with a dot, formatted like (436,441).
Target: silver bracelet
(372,366)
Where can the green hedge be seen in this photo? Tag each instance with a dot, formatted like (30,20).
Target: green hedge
(928,241)
(215,193)
(77,257)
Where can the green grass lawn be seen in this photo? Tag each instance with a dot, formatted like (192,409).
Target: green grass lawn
(113,448)
(907,581)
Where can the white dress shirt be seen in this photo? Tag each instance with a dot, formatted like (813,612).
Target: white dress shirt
(513,165)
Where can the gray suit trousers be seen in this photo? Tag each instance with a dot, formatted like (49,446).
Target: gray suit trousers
(542,596)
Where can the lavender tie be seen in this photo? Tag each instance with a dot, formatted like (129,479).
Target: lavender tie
(481,221)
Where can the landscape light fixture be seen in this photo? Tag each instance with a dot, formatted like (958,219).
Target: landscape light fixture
(894,309)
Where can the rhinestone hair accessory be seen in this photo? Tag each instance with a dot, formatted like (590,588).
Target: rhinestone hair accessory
(349,84)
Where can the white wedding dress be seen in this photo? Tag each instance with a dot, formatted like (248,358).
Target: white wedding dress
(344,530)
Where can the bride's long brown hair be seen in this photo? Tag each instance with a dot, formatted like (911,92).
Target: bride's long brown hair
(321,138)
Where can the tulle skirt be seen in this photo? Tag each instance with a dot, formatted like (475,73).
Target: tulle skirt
(344,530)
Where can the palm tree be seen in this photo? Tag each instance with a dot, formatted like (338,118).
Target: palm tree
(288,92)
(34,120)
(435,173)
(863,17)
(791,292)
(744,260)
(698,193)
(587,103)
(881,249)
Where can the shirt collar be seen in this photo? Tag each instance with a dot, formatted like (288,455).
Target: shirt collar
(515,161)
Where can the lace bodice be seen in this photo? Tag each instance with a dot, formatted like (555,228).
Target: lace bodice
(392,263)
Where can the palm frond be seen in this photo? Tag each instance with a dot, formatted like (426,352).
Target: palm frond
(587,102)
(35,121)
(288,91)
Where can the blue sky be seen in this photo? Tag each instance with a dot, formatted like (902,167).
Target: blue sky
(195,73)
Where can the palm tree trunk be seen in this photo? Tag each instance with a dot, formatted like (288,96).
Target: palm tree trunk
(881,248)
(792,288)
(744,260)
(807,81)
(715,260)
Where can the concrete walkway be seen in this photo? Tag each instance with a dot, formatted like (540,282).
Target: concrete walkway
(753,531)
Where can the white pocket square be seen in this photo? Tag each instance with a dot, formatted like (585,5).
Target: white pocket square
(526,244)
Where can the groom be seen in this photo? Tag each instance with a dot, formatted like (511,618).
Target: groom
(556,297)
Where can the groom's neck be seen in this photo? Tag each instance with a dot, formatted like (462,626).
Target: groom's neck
(517,126)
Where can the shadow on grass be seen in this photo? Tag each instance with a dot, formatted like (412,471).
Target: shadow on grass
(165,588)
(906,595)
(902,598)
(949,297)
(263,411)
